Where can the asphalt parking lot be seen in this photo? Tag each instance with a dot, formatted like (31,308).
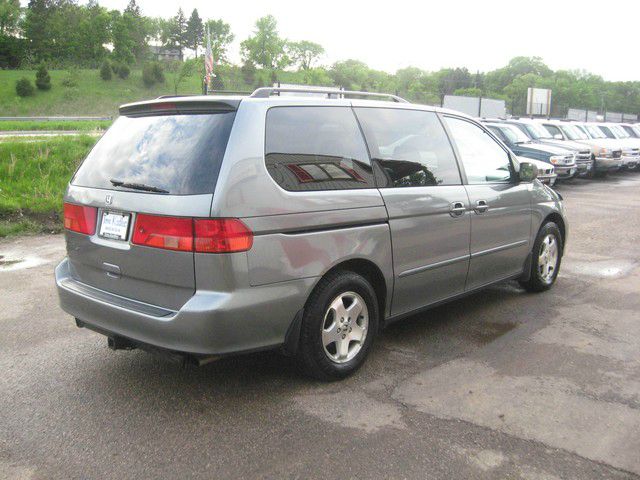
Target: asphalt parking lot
(502,384)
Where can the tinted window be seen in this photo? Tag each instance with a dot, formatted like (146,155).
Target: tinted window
(316,148)
(553,130)
(607,131)
(409,147)
(484,160)
(177,153)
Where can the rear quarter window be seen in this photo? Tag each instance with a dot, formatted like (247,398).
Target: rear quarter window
(316,148)
(177,153)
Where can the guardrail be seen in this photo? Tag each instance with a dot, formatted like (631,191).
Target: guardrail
(53,119)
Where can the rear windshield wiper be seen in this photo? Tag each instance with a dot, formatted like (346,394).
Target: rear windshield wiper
(137,186)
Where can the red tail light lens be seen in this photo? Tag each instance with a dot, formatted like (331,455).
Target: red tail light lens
(79,218)
(170,233)
(222,235)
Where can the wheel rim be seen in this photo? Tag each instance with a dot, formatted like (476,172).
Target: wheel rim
(344,328)
(548,258)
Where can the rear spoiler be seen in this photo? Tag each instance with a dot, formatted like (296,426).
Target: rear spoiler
(179,106)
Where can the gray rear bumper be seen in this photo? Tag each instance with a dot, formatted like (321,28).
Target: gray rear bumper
(210,323)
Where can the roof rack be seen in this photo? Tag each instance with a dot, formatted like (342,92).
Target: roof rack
(266,92)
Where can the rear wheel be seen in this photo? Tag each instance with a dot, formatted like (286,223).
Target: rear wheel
(339,324)
(546,259)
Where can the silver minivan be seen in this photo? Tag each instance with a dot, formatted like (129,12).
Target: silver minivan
(204,226)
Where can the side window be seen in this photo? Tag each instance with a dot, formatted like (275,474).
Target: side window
(484,160)
(553,130)
(316,148)
(409,148)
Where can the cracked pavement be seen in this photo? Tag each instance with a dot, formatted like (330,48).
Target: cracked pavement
(502,384)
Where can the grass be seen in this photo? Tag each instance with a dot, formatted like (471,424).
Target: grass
(91,96)
(94,96)
(33,177)
(60,125)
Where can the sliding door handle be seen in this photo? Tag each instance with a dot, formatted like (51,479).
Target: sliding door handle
(457,209)
(481,207)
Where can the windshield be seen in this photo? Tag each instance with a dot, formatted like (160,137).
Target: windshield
(514,134)
(176,154)
(537,131)
(619,131)
(594,131)
(571,132)
(606,131)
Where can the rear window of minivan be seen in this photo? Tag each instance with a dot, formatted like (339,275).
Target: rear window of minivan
(316,148)
(180,154)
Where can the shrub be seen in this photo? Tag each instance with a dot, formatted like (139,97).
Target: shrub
(147,75)
(70,80)
(152,73)
(24,87)
(43,80)
(123,71)
(105,71)
(158,72)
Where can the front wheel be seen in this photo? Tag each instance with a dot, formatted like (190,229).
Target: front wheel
(546,259)
(339,324)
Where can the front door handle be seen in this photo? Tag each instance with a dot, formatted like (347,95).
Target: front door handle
(457,209)
(481,207)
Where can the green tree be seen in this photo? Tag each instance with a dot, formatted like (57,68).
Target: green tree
(221,38)
(304,53)
(43,80)
(181,71)
(177,33)
(9,17)
(195,31)
(350,74)
(105,71)
(24,87)
(265,47)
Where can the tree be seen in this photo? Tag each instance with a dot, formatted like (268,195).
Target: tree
(9,17)
(24,87)
(177,33)
(305,53)
(180,71)
(105,71)
(350,74)
(221,38)
(36,31)
(195,31)
(265,47)
(43,80)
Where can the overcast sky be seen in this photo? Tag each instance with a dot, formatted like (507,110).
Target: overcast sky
(600,37)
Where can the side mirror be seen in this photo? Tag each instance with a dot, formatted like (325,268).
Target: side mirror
(528,172)
(557,136)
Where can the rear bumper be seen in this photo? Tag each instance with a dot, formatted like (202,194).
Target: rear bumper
(210,323)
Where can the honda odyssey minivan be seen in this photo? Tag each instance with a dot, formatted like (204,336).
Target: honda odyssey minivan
(205,226)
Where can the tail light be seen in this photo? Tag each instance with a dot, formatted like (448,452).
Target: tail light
(169,233)
(222,235)
(80,218)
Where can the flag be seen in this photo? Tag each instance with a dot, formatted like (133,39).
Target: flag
(208,61)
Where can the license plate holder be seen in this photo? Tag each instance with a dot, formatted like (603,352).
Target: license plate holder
(115,225)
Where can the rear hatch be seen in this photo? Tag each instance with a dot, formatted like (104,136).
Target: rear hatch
(138,191)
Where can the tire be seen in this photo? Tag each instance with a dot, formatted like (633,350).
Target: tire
(541,276)
(328,348)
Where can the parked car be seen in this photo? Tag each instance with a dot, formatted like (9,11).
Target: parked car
(630,146)
(538,134)
(206,226)
(607,155)
(562,159)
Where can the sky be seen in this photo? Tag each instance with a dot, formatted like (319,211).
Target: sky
(600,37)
